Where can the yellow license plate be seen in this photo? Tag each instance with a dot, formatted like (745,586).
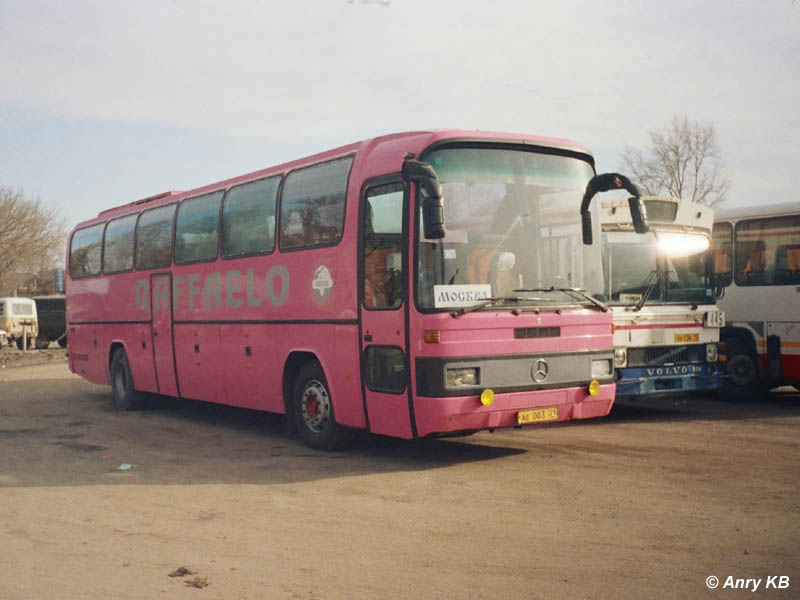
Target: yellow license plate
(537,415)
(682,338)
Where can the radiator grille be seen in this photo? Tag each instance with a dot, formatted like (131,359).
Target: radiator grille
(662,355)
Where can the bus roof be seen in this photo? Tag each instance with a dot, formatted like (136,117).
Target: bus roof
(757,210)
(386,154)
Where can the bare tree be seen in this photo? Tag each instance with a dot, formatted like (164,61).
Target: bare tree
(31,237)
(683,161)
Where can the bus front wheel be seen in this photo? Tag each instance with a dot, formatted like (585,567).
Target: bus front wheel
(743,373)
(126,397)
(313,411)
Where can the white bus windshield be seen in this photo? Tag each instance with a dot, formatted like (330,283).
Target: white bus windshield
(512,223)
(633,264)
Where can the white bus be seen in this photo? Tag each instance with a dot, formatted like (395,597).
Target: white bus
(659,287)
(756,259)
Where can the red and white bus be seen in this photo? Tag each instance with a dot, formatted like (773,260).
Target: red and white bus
(658,285)
(756,259)
(410,285)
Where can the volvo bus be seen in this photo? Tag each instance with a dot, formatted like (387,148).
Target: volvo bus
(659,287)
(410,285)
(756,259)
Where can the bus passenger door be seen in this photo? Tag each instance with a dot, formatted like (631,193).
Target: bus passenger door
(163,355)
(383,300)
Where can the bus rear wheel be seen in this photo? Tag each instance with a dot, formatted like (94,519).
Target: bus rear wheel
(313,411)
(126,397)
(743,373)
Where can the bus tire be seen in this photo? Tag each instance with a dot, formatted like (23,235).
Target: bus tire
(743,372)
(125,395)
(313,411)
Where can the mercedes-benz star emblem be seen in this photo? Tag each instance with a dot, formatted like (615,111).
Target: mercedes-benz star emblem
(539,370)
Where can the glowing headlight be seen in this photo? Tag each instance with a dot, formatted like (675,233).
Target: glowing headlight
(601,368)
(711,353)
(620,357)
(462,377)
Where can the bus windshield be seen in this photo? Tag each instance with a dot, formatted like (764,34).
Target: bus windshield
(635,269)
(512,230)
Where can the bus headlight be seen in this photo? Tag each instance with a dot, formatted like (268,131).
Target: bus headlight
(462,377)
(620,357)
(711,353)
(601,369)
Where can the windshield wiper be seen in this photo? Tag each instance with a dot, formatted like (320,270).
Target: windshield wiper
(650,282)
(579,291)
(488,302)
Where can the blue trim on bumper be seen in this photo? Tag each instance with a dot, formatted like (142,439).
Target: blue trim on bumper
(643,381)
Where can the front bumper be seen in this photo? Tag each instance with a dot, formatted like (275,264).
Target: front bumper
(668,379)
(466,413)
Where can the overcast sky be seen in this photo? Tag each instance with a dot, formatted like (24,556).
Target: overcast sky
(104,102)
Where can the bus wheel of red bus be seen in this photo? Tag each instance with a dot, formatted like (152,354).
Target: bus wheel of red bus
(743,373)
(125,396)
(313,411)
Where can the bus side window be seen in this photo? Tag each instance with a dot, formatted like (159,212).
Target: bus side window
(787,264)
(154,237)
(86,251)
(312,205)
(118,245)
(383,263)
(765,250)
(248,218)
(720,254)
(196,229)
(755,256)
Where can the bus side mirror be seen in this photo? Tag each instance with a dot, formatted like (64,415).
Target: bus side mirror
(586,223)
(638,215)
(604,183)
(432,205)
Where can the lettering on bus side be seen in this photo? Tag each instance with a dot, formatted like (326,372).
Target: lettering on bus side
(217,290)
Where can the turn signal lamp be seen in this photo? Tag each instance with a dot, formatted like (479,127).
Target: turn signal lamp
(487,397)
(432,336)
(594,387)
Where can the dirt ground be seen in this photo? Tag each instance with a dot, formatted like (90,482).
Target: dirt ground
(190,500)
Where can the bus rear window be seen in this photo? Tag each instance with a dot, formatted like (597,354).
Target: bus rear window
(85,251)
(312,205)
(154,237)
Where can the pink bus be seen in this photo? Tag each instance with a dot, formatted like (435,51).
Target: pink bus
(410,285)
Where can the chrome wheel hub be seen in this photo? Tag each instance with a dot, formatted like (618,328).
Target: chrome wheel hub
(315,406)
